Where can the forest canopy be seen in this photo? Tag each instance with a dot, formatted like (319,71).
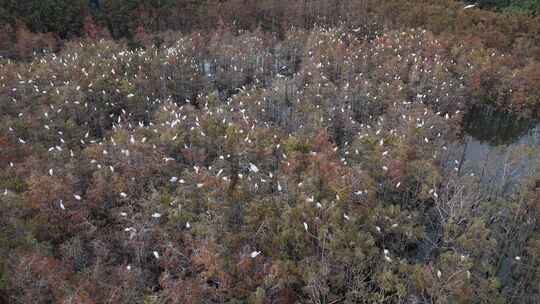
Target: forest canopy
(267,152)
(122,18)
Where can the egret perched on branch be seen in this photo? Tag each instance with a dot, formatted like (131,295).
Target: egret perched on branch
(253,168)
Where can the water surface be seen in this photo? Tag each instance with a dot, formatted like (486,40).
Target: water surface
(501,148)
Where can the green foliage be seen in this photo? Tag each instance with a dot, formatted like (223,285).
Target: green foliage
(525,6)
(59,16)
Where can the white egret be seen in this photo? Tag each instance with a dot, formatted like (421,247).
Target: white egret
(253,168)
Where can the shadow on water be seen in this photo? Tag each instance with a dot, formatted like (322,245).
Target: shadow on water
(499,147)
(496,128)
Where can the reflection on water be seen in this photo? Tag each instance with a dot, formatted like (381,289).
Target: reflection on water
(496,127)
(499,148)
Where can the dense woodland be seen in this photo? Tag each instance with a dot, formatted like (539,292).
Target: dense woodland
(263,152)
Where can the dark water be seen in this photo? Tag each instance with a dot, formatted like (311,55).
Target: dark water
(501,148)
(497,128)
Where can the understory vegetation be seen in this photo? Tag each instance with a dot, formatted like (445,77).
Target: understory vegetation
(295,164)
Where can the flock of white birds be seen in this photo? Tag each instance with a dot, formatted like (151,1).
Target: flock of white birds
(352,87)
